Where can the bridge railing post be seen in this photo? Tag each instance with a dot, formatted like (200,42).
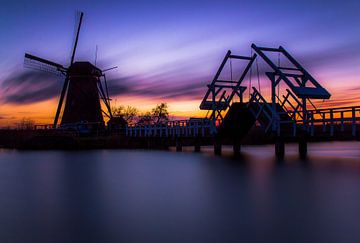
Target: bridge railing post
(196,131)
(312,117)
(182,129)
(353,114)
(331,122)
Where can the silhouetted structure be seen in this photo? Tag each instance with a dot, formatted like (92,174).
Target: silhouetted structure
(289,115)
(82,88)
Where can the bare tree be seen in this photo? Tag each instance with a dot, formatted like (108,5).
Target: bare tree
(26,124)
(129,113)
(160,113)
(145,119)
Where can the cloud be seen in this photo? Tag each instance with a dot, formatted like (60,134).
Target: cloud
(30,87)
(175,79)
(159,86)
(338,55)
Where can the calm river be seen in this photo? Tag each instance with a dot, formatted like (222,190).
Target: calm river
(164,196)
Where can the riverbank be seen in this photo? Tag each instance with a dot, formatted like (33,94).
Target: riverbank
(59,139)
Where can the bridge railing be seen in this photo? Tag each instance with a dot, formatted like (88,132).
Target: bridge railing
(332,118)
(328,119)
(291,119)
(180,128)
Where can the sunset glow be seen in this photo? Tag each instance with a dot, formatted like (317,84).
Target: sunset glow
(172,51)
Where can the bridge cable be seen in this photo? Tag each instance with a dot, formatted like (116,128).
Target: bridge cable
(258,75)
(279,82)
(250,75)
(231,71)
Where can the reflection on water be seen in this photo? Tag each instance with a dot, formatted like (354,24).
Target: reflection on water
(113,195)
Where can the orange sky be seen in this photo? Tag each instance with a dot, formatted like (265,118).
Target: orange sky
(43,112)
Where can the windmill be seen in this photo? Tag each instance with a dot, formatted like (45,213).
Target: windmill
(83,88)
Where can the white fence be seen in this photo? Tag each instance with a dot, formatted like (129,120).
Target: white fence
(183,128)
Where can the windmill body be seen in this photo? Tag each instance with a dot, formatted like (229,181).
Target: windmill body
(82,103)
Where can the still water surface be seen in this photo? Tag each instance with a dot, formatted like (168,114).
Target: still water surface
(164,196)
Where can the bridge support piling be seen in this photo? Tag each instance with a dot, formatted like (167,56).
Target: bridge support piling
(237,148)
(197,146)
(302,147)
(148,143)
(279,148)
(178,145)
(217,146)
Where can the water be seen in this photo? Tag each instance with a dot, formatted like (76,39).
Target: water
(164,196)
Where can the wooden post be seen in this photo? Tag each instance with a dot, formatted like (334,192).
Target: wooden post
(353,128)
(331,122)
(236,148)
(197,147)
(217,146)
(302,146)
(178,144)
(324,123)
(279,148)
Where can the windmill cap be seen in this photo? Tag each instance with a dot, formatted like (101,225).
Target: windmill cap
(84,69)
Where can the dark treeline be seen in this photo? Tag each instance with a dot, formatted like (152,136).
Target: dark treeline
(131,115)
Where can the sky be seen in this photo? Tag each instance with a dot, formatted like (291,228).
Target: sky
(167,51)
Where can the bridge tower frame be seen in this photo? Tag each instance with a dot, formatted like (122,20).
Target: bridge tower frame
(215,99)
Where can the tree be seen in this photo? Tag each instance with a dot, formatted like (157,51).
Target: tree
(145,119)
(129,113)
(160,114)
(26,124)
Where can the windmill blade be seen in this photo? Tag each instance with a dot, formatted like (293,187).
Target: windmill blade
(106,88)
(76,38)
(62,95)
(108,69)
(104,97)
(37,63)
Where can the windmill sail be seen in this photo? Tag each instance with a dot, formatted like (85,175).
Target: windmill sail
(41,64)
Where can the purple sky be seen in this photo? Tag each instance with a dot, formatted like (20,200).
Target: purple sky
(169,50)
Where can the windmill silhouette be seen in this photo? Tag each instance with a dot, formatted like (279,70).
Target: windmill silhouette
(82,88)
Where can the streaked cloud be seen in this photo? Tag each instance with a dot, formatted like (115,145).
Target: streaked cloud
(30,87)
